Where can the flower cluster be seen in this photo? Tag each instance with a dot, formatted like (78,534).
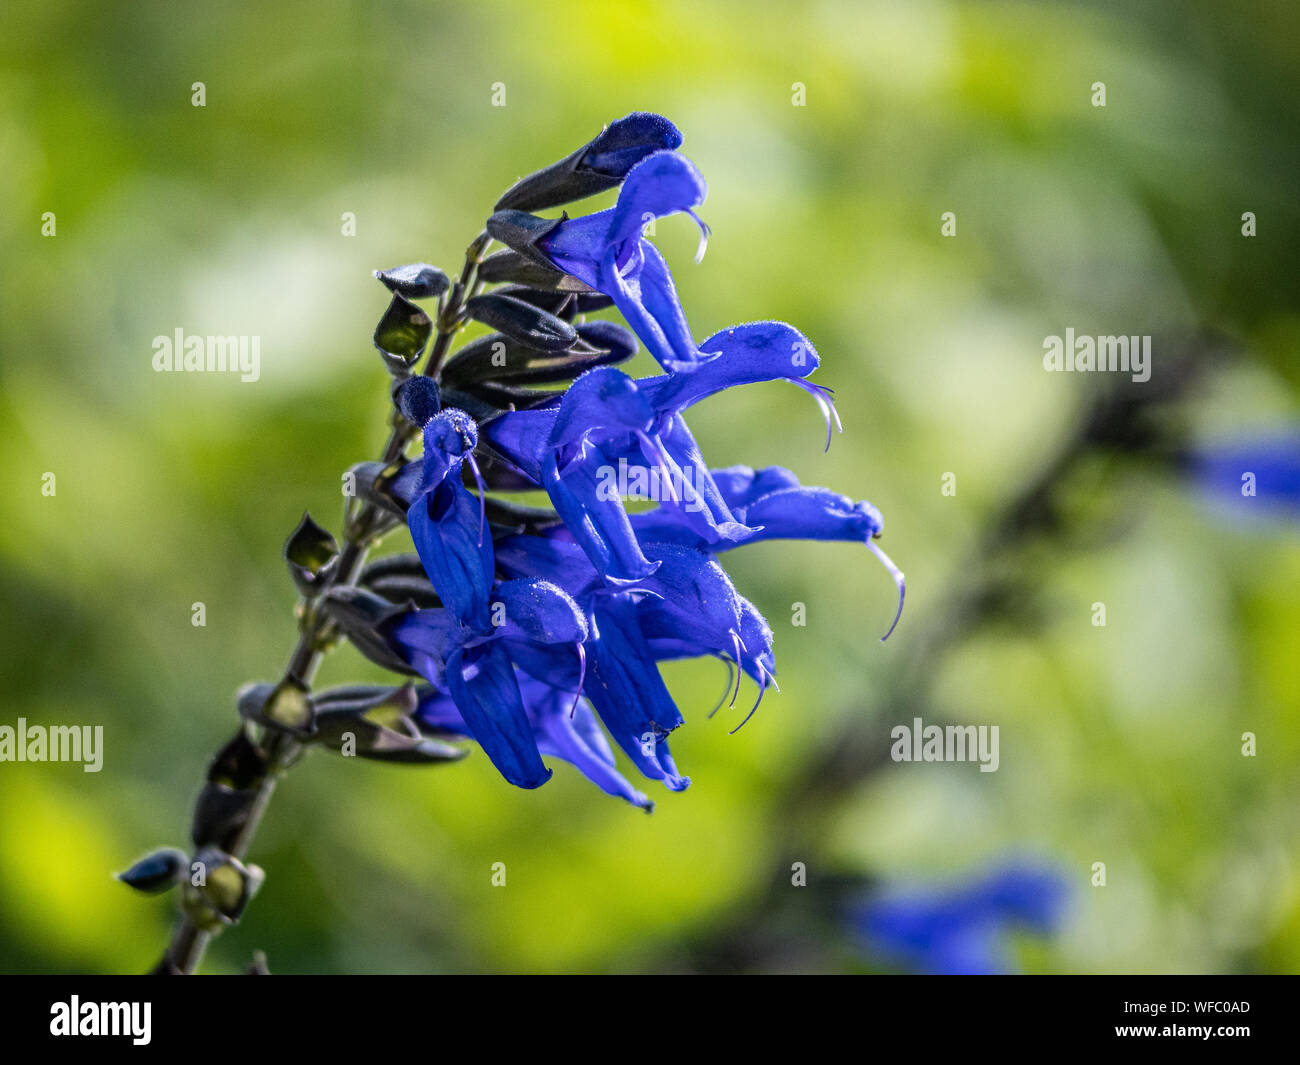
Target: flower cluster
(533,617)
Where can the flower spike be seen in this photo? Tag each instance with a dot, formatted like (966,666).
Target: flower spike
(594,595)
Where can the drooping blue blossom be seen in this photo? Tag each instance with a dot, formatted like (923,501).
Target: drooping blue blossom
(962,929)
(547,625)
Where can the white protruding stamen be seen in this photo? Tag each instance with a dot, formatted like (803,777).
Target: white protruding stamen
(897,574)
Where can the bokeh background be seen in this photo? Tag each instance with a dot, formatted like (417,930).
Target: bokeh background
(1119,744)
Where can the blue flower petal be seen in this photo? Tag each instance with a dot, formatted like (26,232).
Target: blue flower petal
(427,638)
(646,296)
(812,513)
(600,402)
(555,558)
(628,693)
(482,683)
(446,526)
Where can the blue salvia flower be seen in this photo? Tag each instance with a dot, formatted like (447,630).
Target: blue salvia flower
(546,617)
(963,930)
(608,252)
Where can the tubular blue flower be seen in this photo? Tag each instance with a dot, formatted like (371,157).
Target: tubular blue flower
(691,599)
(688,607)
(744,354)
(607,251)
(544,624)
(693,607)
(623,680)
(445,527)
(459,646)
(962,930)
(604,425)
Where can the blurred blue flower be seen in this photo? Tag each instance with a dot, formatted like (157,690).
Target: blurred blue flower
(963,929)
(1259,474)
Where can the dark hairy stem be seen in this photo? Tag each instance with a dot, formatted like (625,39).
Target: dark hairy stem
(280,748)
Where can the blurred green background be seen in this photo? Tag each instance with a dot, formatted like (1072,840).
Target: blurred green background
(1118,744)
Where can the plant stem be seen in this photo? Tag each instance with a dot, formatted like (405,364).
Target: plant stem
(279,748)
